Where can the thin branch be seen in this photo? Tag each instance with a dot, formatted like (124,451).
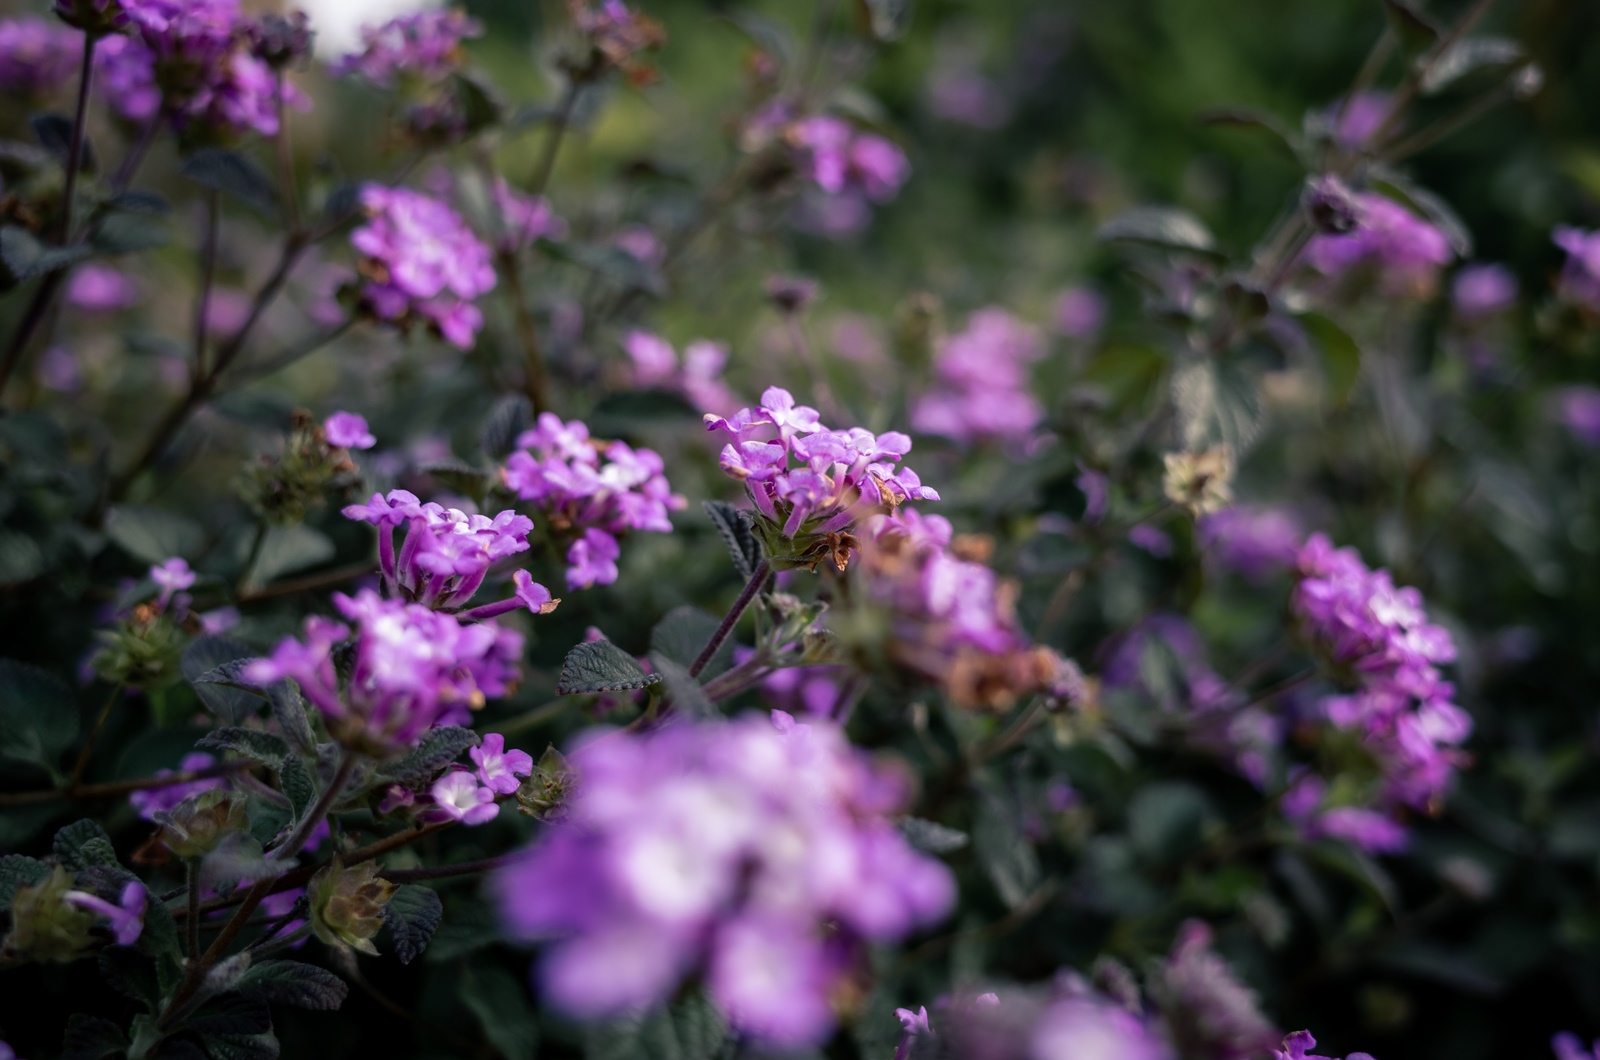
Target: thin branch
(209,236)
(552,144)
(120,787)
(76,780)
(79,135)
(731,619)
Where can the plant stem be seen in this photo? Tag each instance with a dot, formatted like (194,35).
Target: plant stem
(306,583)
(74,782)
(79,135)
(444,872)
(290,189)
(192,927)
(271,944)
(318,811)
(536,381)
(552,144)
(120,787)
(746,596)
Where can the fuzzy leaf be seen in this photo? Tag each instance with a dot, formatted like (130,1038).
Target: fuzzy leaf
(231,1014)
(412,915)
(734,526)
(290,711)
(131,974)
(54,132)
(1165,227)
(16,871)
(931,836)
(500,1003)
(294,983)
(683,633)
(232,174)
(38,713)
(1341,357)
(884,20)
(433,752)
(263,747)
(84,845)
(202,665)
(1218,403)
(92,1038)
(688,696)
(24,257)
(601,666)
(506,421)
(1496,55)
(241,1046)
(287,549)
(296,783)
(153,535)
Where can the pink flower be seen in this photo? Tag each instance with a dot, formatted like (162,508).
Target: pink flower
(348,430)
(498,769)
(458,797)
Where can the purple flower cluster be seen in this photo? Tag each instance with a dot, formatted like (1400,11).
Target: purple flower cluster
(421,263)
(447,554)
(1399,251)
(471,796)
(980,389)
(805,512)
(347,430)
(97,288)
(1578,409)
(590,493)
(524,219)
(1071,1022)
(193,60)
(424,46)
(951,618)
(616,36)
(851,169)
(699,378)
(1568,1046)
(37,57)
(1254,542)
(1377,637)
(721,850)
(152,801)
(1296,1044)
(409,669)
(1482,291)
(1580,275)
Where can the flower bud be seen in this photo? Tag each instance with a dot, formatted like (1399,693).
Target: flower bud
(195,827)
(1331,205)
(281,40)
(142,650)
(347,905)
(1200,482)
(94,17)
(544,794)
(45,926)
(285,487)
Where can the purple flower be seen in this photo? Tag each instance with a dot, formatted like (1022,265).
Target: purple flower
(1296,1044)
(425,46)
(593,493)
(171,577)
(1355,120)
(1400,251)
(421,264)
(498,769)
(1569,1046)
(805,512)
(980,386)
(524,219)
(1580,275)
(1483,291)
(721,848)
(126,77)
(912,1025)
(1154,541)
(37,57)
(654,359)
(592,560)
(447,553)
(1084,1029)
(97,288)
(1211,1015)
(457,796)
(409,668)
(154,801)
(1578,408)
(126,918)
(1254,542)
(1079,312)
(851,168)
(349,431)
(968,98)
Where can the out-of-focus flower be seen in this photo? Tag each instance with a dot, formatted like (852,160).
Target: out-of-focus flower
(1296,1044)
(1580,275)
(1079,312)
(1201,482)
(1355,120)
(805,513)
(966,97)
(524,219)
(37,57)
(615,37)
(1084,1029)
(281,40)
(590,493)
(410,668)
(1482,291)
(349,431)
(425,46)
(1578,409)
(1209,1014)
(1568,1046)
(97,288)
(980,389)
(125,918)
(171,576)
(1254,542)
(152,801)
(655,364)
(1399,251)
(421,264)
(720,850)
(1152,540)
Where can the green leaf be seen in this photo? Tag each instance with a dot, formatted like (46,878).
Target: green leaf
(263,747)
(1165,227)
(295,984)
(688,696)
(160,937)
(734,526)
(131,974)
(129,233)
(1341,357)
(479,108)
(1004,852)
(290,710)
(54,132)
(930,836)
(683,633)
(611,262)
(20,558)
(503,1009)
(147,203)
(1166,821)
(766,34)
(1256,121)
(601,666)
(232,174)
(691,1029)
(437,749)
(84,845)
(412,916)
(461,477)
(92,1038)
(206,657)
(506,421)
(1414,32)
(38,714)
(24,257)
(296,783)
(884,20)
(1218,403)
(18,871)
(1357,865)
(231,1014)
(152,534)
(241,1046)
(286,549)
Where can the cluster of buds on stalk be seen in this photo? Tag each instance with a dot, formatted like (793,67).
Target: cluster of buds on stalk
(313,463)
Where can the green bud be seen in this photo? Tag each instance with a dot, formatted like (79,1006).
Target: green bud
(195,826)
(142,651)
(347,905)
(544,794)
(44,925)
(284,488)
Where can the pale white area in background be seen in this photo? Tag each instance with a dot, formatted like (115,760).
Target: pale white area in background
(338,22)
